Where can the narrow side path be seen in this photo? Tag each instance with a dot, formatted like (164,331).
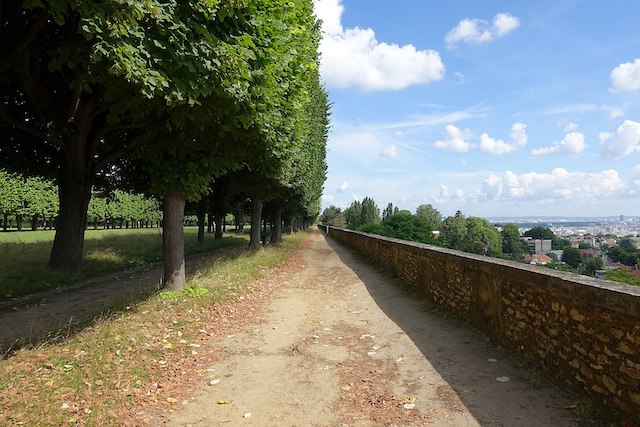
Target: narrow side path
(341,345)
(59,310)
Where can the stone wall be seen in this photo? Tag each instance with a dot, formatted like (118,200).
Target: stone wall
(583,331)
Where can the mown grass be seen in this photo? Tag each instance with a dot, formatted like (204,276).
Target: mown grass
(122,363)
(24,256)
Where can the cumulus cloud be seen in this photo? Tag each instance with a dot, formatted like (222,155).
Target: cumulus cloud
(560,184)
(327,199)
(447,195)
(480,31)
(391,151)
(518,137)
(626,77)
(624,141)
(353,56)
(636,170)
(343,187)
(456,140)
(572,143)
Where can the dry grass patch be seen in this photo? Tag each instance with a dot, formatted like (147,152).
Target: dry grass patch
(125,369)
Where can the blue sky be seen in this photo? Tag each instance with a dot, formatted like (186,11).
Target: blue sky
(515,108)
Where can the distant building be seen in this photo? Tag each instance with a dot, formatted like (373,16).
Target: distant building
(621,218)
(557,253)
(537,259)
(537,246)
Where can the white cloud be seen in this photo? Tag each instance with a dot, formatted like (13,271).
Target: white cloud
(343,187)
(636,170)
(480,31)
(560,184)
(626,77)
(353,56)
(391,151)
(447,195)
(518,136)
(624,141)
(456,140)
(327,199)
(615,112)
(572,143)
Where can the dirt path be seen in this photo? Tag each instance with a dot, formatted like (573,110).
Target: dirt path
(340,345)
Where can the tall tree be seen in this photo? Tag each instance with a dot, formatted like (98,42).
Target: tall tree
(431,215)
(512,243)
(454,231)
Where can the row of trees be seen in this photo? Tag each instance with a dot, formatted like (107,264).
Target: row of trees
(474,235)
(174,97)
(35,199)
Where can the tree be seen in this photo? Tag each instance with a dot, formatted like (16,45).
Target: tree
(590,267)
(454,232)
(353,215)
(512,243)
(431,215)
(572,256)
(627,244)
(370,212)
(482,237)
(388,211)
(404,225)
(334,217)
(539,232)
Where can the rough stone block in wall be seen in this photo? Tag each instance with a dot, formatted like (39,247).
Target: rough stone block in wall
(581,330)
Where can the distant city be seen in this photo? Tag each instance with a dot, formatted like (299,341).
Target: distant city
(570,226)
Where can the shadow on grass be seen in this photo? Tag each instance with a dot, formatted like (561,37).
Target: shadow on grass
(63,311)
(24,269)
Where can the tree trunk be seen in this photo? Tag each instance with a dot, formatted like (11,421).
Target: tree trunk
(19,222)
(173,242)
(202,213)
(219,228)
(74,189)
(256,213)
(4,224)
(276,236)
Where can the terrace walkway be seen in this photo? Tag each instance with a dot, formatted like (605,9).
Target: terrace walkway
(340,344)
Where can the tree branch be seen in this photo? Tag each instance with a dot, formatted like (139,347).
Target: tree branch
(114,155)
(22,126)
(30,34)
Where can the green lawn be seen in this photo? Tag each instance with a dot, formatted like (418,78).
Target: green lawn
(24,256)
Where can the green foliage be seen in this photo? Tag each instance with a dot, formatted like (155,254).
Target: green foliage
(334,217)
(618,254)
(541,233)
(512,243)
(482,237)
(454,232)
(590,267)
(623,275)
(361,213)
(402,225)
(431,215)
(572,256)
(23,269)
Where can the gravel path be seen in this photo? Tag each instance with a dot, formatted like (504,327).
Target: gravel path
(341,345)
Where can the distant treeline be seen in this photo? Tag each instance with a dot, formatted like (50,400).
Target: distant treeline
(34,200)
(478,235)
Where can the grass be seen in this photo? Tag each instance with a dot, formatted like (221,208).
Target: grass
(24,256)
(124,363)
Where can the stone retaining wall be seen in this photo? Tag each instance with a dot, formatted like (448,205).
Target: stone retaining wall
(581,330)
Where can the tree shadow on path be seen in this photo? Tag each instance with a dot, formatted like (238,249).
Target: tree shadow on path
(466,359)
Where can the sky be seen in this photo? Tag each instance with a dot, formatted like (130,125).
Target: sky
(493,108)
